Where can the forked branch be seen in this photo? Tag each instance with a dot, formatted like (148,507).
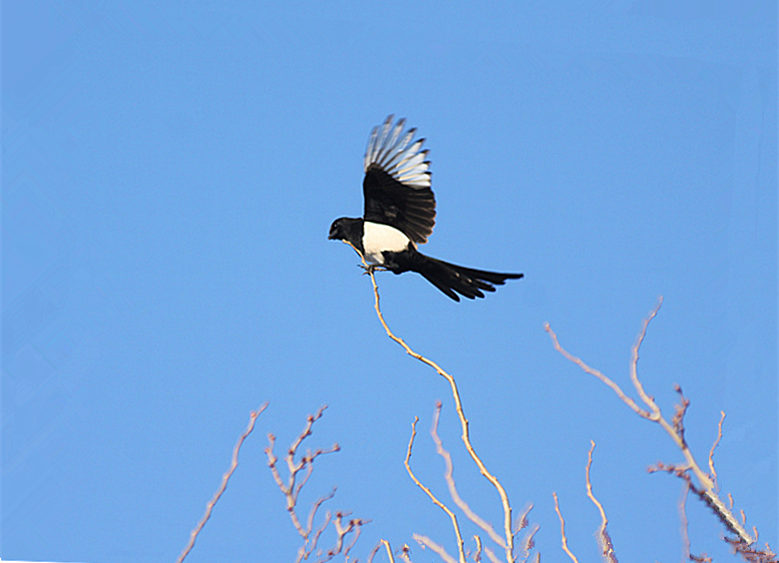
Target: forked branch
(299,471)
(509,536)
(452,516)
(450,483)
(706,487)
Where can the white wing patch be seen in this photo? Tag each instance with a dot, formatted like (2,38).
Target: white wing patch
(378,237)
(388,148)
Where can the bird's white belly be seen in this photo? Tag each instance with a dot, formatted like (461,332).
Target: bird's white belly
(377,238)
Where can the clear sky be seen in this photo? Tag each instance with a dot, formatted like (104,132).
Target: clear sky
(170,171)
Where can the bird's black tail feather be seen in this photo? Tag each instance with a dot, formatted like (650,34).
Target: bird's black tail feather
(450,278)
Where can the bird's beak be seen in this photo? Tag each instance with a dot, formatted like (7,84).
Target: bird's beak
(331,236)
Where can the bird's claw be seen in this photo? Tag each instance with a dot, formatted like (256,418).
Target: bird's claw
(370,269)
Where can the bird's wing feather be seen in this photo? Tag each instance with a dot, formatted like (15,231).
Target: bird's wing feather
(397,181)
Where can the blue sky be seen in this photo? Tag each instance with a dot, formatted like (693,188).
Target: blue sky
(169,176)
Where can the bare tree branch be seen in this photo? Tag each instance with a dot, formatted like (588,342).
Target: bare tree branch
(675,429)
(522,520)
(713,471)
(225,479)
(373,552)
(604,540)
(564,538)
(592,371)
(490,555)
(439,550)
(386,544)
(448,477)
(302,552)
(509,546)
(477,554)
(342,530)
(291,490)
(429,493)
(529,542)
(683,523)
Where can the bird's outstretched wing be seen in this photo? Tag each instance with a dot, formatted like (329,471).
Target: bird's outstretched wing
(396,186)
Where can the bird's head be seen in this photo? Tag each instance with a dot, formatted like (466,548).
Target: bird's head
(338,229)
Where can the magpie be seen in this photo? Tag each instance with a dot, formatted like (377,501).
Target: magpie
(400,213)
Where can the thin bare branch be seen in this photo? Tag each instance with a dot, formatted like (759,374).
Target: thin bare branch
(291,489)
(594,372)
(522,520)
(357,532)
(713,471)
(305,550)
(439,550)
(529,542)
(225,479)
(299,472)
(465,436)
(449,478)
(562,530)
(477,553)
(683,522)
(373,552)
(342,530)
(491,555)
(675,428)
(386,545)
(315,507)
(634,360)
(310,420)
(604,540)
(438,503)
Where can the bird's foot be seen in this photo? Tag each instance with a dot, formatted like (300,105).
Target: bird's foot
(372,268)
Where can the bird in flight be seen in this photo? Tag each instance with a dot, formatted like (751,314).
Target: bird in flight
(400,214)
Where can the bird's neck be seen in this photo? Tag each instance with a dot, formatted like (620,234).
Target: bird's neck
(354,228)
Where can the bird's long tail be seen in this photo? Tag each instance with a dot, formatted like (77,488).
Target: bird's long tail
(450,278)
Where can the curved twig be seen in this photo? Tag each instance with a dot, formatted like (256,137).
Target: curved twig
(563,537)
(429,493)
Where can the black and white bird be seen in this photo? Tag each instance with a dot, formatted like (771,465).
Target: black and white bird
(400,213)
